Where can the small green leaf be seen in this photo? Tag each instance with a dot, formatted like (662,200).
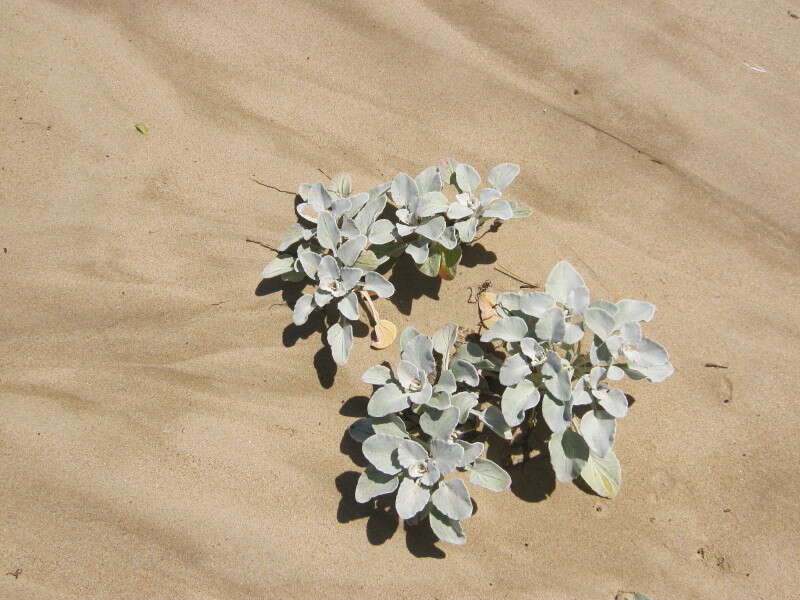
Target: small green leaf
(449,262)
(432,264)
(489,475)
(141,128)
(367,261)
(603,475)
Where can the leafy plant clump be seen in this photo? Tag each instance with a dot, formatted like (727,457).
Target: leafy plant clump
(343,241)
(546,357)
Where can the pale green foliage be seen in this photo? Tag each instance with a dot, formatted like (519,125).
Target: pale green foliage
(551,356)
(342,239)
(413,436)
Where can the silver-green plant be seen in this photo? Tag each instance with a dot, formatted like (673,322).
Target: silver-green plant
(549,356)
(413,436)
(342,239)
(560,352)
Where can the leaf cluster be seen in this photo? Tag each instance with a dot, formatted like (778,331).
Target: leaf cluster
(344,241)
(549,356)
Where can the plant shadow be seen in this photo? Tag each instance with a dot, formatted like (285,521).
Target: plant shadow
(532,479)
(476,254)
(410,284)
(324,364)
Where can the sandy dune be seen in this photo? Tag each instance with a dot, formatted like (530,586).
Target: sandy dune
(164,436)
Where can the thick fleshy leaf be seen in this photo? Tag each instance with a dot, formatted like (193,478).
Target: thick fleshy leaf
(293,234)
(409,375)
(614,402)
(654,374)
(302,309)
(466,229)
(328,268)
(646,354)
(433,263)
(375,282)
(411,498)
(615,373)
(599,321)
(381,450)
(556,414)
(447,455)
(634,310)
(432,229)
(407,335)
(328,234)
(517,400)
(501,176)
(552,325)
(444,339)
(350,250)
(340,339)
(390,425)
(563,279)
(493,419)
(404,190)
(471,452)
(446,383)
(439,424)
(372,209)
(419,250)
(310,262)
(446,529)
(535,304)
(348,228)
(508,329)
(577,300)
(357,202)
(410,453)
(467,177)
(449,240)
(432,203)
(598,429)
(456,210)
(464,402)
(367,261)
(429,180)
(377,375)
(348,307)
(278,266)
(499,210)
(514,369)
(465,372)
(341,184)
(488,195)
(419,351)
(382,232)
(452,499)
(603,475)
(351,276)
(449,264)
(373,483)
(439,400)
(490,475)
(558,383)
(568,454)
(386,400)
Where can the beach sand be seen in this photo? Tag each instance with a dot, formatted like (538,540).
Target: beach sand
(165,435)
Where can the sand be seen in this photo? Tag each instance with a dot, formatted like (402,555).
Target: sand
(163,435)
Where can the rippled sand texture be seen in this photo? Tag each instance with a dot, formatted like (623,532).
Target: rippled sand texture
(163,435)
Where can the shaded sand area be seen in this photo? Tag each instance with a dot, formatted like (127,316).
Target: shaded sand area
(163,435)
